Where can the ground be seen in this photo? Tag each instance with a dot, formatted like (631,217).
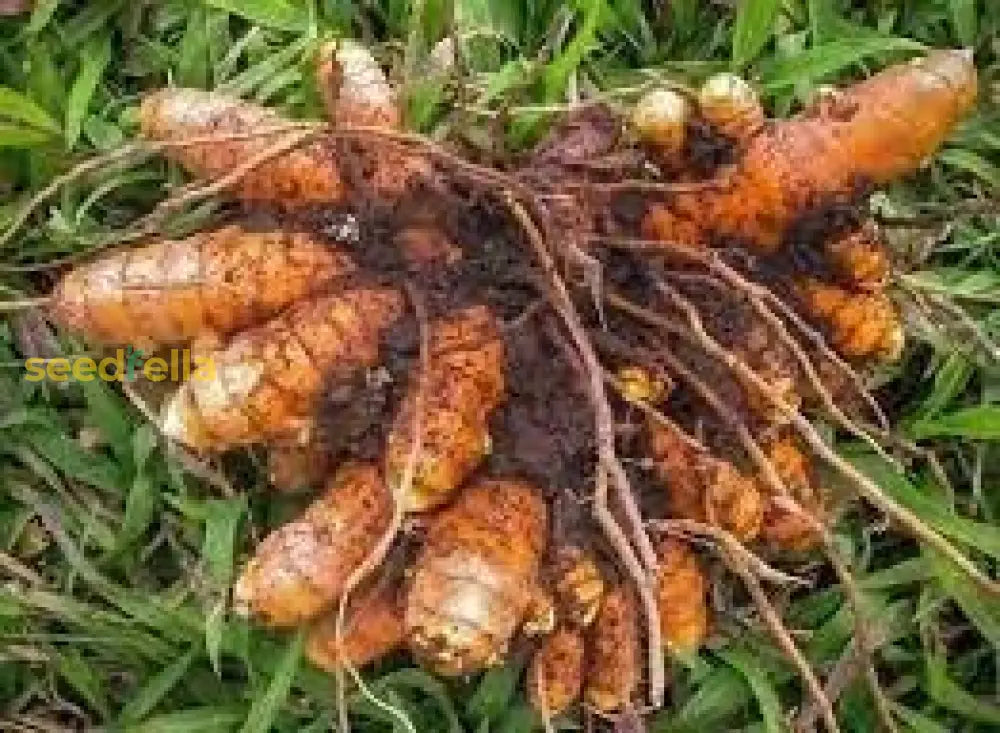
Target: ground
(116,559)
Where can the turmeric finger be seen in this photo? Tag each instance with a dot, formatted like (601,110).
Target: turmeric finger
(464,384)
(887,126)
(302,567)
(731,106)
(354,88)
(785,528)
(265,382)
(859,259)
(578,586)
(858,324)
(681,595)
(555,675)
(704,488)
(373,629)
(172,291)
(614,647)
(298,464)
(310,174)
(473,582)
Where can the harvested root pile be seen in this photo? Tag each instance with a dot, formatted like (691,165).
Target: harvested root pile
(571,376)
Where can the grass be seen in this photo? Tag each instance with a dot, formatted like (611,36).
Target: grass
(115,562)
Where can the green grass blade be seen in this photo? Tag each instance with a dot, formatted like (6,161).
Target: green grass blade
(17,107)
(976,423)
(753,29)
(208,719)
(285,15)
(94,59)
(763,688)
(820,62)
(265,708)
(145,700)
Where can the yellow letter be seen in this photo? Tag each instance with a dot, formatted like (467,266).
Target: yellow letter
(155,370)
(83,369)
(204,368)
(35,368)
(59,369)
(119,361)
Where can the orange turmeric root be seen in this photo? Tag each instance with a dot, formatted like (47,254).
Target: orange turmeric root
(310,174)
(578,586)
(297,464)
(475,579)
(302,567)
(373,629)
(681,592)
(859,259)
(883,128)
(614,652)
(265,381)
(784,528)
(704,488)
(555,675)
(354,88)
(465,383)
(859,325)
(172,291)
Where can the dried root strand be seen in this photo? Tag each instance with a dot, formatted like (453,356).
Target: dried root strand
(382,546)
(864,485)
(608,465)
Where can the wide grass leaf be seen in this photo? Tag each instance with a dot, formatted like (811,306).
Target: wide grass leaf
(16,136)
(416,679)
(949,694)
(977,423)
(720,695)
(494,692)
(266,707)
(931,508)
(965,20)
(208,719)
(286,15)
(144,701)
(974,163)
(17,107)
(94,59)
(754,27)
(87,682)
(982,609)
(826,59)
(760,683)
